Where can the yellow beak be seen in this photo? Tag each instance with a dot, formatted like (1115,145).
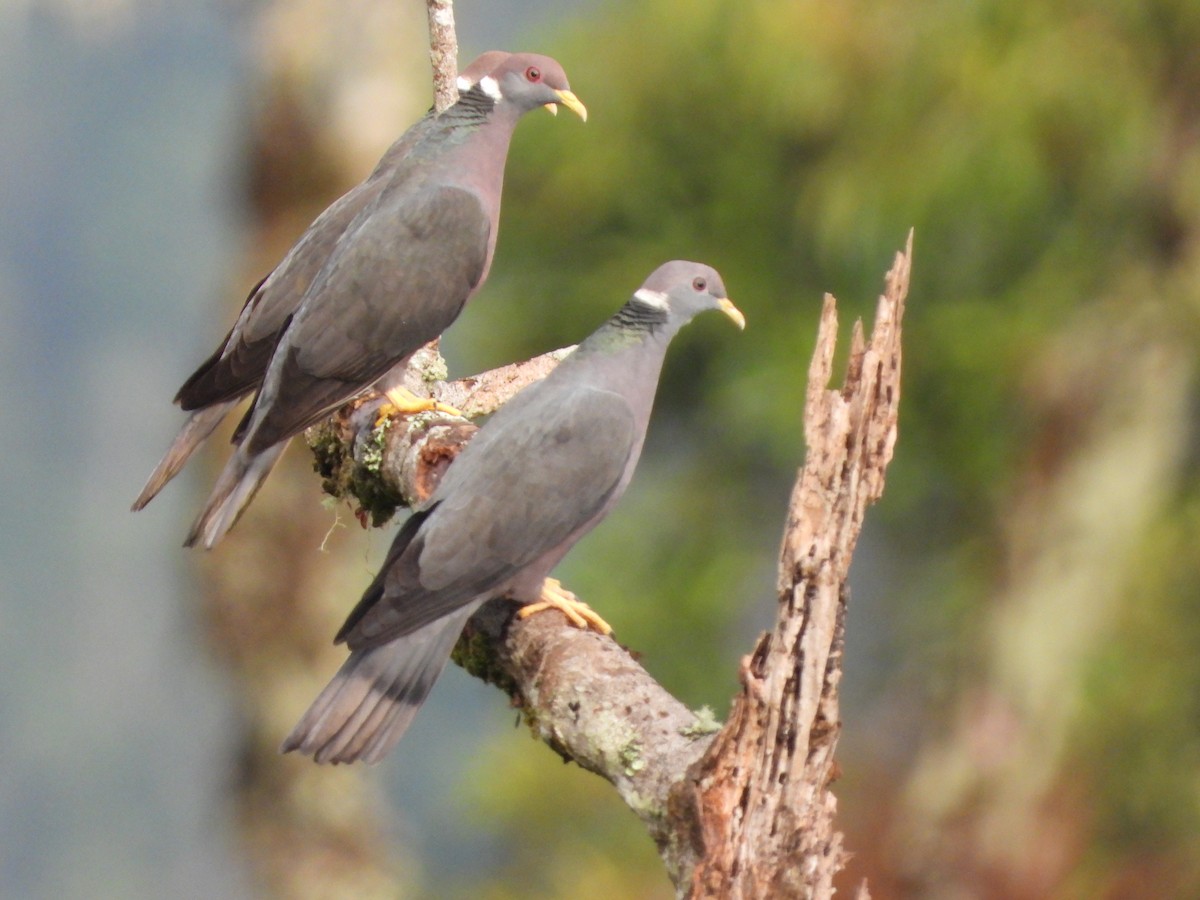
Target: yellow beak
(571,102)
(732,311)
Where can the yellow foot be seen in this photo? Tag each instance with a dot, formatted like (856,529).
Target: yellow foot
(578,613)
(403,402)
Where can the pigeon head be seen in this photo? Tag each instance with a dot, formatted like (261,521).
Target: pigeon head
(527,80)
(480,66)
(682,289)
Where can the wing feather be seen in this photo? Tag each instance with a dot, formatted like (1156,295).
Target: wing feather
(239,364)
(536,478)
(399,278)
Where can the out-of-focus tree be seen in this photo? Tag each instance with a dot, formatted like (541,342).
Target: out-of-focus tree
(337,83)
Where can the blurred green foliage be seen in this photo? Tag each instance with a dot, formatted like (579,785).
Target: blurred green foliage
(1048,156)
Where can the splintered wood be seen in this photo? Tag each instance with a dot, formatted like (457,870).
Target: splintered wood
(762,791)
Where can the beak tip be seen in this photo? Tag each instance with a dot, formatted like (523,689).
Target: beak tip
(738,317)
(573,103)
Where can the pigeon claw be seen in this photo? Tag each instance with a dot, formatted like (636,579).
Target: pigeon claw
(578,613)
(403,402)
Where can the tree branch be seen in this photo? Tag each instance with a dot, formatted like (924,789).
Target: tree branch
(590,701)
(748,813)
(443,52)
(398,462)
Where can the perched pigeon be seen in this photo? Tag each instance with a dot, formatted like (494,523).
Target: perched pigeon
(545,469)
(396,276)
(238,365)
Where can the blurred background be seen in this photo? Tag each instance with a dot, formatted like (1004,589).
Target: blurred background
(1022,681)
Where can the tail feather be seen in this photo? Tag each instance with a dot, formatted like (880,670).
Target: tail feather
(373,698)
(239,482)
(200,425)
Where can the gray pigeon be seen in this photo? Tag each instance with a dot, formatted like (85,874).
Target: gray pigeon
(239,364)
(540,474)
(396,277)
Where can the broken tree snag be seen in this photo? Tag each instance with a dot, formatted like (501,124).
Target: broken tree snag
(761,793)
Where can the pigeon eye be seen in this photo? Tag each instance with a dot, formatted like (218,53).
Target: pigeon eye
(699,284)
(533,73)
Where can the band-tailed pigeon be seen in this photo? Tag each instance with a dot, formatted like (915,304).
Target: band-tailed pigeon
(238,365)
(541,473)
(396,276)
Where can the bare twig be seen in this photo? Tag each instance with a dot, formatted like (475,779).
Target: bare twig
(443,52)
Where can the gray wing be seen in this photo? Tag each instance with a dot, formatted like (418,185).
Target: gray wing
(240,362)
(238,365)
(527,484)
(397,279)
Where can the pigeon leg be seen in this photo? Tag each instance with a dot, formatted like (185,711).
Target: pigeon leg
(578,613)
(403,402)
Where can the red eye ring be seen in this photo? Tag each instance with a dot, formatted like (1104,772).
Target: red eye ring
(533,73)
(699,284)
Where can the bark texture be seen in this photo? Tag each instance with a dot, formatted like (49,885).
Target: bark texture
(748,813)
(443,52)
(763,805)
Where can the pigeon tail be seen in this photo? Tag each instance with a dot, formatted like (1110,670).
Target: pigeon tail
(195,430)
(371,701)
(236,487)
